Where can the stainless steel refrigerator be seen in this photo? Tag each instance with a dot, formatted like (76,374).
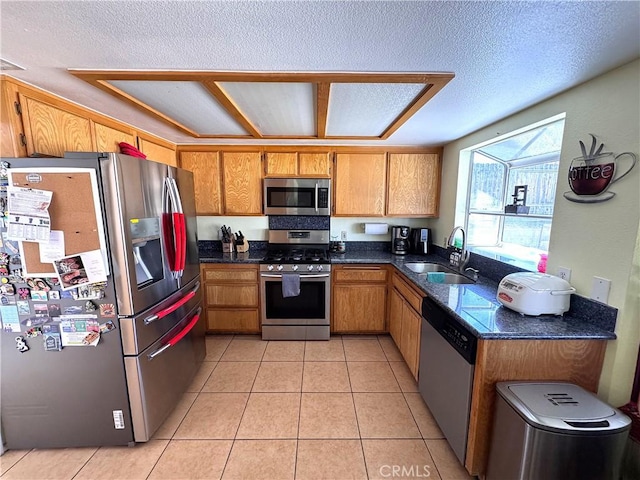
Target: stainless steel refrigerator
(151,338)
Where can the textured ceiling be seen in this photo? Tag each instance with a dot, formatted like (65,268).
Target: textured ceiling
(506,55)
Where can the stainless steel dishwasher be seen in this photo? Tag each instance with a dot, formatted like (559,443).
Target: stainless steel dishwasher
(447,359)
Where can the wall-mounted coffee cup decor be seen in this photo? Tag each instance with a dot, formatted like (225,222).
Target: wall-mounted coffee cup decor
(591,175)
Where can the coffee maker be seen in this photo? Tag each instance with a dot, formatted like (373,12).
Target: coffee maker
(420,241)
(400,240)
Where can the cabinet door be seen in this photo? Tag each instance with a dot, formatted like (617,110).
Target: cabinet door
(205,167)
(360,184)
(359,308)
(158,153)
(108,139)
(395,316)
(281,164)
(314,164)
(414,184)
(52,131)
(11,127)
(236,320)
(410,345)
(242,183)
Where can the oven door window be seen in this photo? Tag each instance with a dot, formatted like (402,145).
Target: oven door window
(291,197)
(310,304)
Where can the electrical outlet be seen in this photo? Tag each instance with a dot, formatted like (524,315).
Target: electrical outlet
(564,273)
(343,235)
(600,289)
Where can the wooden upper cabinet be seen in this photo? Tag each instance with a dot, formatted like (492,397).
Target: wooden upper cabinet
(10,122)
(281,164)
(108,139)
(157,153)
(414,184)
(359,183)
(52,131)
(314,164)
(298,164)
(242,183)
(206,180)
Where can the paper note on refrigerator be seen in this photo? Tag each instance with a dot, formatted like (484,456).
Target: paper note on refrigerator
(28,218)
(84,268)
(54,248)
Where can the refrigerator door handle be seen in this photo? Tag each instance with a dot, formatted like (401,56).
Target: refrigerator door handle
(175,230)
(173,307)
(179,336)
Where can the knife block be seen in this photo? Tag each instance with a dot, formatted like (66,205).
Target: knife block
(227,247)
(242,247)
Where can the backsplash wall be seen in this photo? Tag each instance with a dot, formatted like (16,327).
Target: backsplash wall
(257,227)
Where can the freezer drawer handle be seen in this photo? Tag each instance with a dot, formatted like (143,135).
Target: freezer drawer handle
(179,336)
(172,308)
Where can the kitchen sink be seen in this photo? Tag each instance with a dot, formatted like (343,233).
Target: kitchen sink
(446,278)
(422,267)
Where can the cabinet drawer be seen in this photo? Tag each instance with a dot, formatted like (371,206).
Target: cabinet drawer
(232,295)
(230,275)
(233,320)
(408,293)
(360,274)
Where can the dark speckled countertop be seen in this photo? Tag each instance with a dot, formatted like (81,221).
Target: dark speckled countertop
(473,305)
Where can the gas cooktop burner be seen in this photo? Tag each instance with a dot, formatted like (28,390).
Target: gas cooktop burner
(314,255)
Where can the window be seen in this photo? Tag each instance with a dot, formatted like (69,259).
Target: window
(526,158)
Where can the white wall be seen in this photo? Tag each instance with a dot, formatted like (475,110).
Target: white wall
(590,239)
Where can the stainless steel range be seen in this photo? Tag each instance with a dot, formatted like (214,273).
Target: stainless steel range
(295,286)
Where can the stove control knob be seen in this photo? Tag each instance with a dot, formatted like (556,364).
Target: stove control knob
(270,267)
(320,268)
(294,267)
(309,267)
(279,268)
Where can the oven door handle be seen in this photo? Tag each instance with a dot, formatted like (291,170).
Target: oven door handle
(302,277)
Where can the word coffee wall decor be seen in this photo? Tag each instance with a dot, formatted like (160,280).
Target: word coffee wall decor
(591,175)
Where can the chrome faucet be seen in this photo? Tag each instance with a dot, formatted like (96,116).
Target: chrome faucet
(459,257)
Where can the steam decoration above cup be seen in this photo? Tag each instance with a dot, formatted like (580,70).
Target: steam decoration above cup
(591,175)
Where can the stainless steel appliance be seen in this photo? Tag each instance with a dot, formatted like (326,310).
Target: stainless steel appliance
(400,240)
(420,241)
(121,390)
(297,196)
(445,380)
(555,431)
(296,257)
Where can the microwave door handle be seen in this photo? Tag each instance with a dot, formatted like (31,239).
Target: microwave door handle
(174,340)
(316,203)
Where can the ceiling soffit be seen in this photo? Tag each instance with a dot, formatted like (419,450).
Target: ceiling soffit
(269,105)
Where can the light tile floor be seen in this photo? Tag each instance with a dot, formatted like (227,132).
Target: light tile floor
(343,409)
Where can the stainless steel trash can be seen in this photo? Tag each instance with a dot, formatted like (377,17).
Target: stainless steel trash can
(555,431)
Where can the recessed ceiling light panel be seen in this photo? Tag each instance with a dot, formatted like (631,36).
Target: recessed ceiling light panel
(188,103)
(367,109)
(278,109)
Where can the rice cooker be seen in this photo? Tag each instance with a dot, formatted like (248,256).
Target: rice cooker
(532,293)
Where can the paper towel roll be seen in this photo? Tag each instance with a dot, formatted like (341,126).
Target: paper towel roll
(376,228)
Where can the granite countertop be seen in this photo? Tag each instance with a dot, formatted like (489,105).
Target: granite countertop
(472,305)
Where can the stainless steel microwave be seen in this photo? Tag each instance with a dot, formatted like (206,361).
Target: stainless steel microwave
(297,196)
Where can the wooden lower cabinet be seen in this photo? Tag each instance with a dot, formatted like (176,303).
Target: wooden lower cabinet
(231,298)
(573,361)
(358,298)
(405,321)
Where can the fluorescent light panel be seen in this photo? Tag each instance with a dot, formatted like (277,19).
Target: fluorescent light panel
(279,109)
(188,103)
(367,109)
